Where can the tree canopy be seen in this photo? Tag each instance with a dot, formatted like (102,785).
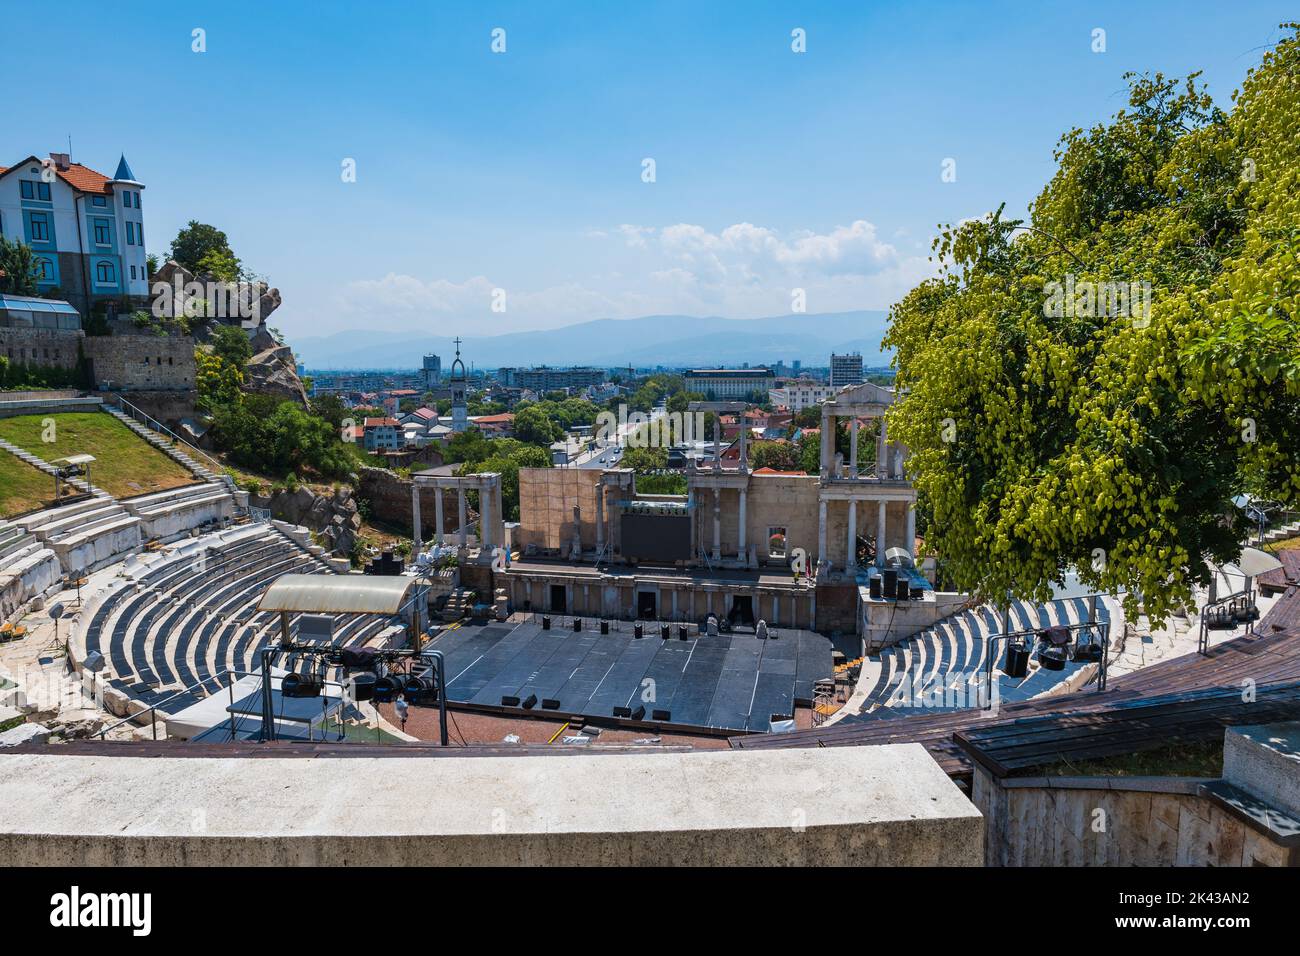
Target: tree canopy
(1091,387)
(205,250)
(17,268)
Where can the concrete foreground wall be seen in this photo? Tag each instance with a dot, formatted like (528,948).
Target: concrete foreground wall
(835,806)
(1118,821)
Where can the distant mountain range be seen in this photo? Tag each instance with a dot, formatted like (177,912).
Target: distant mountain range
(670,340)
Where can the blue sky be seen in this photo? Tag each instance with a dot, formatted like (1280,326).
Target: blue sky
(522,171)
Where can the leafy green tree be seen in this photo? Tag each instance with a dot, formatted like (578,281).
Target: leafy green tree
(779,456)
(216,382)
(230,343)
(1052,423)
(199,241)
(17,268)
(643,460)
(534,426)
(220,264)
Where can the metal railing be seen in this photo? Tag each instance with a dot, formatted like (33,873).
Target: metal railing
(152,709)
(145,419)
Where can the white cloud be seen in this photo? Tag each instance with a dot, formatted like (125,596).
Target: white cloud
(741,271)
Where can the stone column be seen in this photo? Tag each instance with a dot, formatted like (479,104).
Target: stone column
(415,520)
(911,529)
(600,515)
(880,535)
(882,451)
(827,443)
(742,524)
(437,513)
(851,558)
(853,447)
(717,524)
(484,518)
(821,530)
(464,516)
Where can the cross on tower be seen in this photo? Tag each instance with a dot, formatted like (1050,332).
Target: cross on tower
(457,341)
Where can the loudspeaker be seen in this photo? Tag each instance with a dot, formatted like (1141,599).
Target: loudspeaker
(890,580)
(661,715)
(546,623)
(903,589)
(577,624)
(874,588)
(508,701)
(622,711)
(94,662)
(604,627)
(550,703)
(301,685)
(529,702)
(363,686)
(639,713)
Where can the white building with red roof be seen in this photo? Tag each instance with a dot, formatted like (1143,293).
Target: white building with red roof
(85,229)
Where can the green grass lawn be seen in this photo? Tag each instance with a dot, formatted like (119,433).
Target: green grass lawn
(22,487)
(125,464)
(1202,758)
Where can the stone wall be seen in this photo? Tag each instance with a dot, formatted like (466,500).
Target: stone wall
(389,496)
(547,497)
(49,348)
(143,362)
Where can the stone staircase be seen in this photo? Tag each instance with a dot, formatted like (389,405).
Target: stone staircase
(1282,532)
(164,444)
(43,465)
(87,535)
(459,604)
(27,568)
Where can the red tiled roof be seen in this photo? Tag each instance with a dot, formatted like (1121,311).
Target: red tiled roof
(77,176)
(504,418)
(379,422)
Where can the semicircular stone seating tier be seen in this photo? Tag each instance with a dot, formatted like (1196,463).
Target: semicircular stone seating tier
(195,617)
(943,667)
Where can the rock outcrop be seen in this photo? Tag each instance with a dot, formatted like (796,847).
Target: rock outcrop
(273,372)
(333,515)
(272,369)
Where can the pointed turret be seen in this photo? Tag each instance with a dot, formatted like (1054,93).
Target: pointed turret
(124,174)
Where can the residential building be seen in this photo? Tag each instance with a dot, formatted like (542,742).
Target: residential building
(432,371)
(545,379)
(496,426)
(85,229)
(383,434)
(729,383)
(846,369)
(800,394)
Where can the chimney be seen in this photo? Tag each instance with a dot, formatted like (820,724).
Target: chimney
(61,160)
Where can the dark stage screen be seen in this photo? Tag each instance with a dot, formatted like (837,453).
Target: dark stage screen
(657,538)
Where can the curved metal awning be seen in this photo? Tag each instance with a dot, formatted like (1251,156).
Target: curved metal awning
(337,593)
